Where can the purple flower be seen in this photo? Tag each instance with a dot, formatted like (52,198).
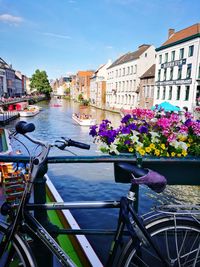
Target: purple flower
(93,131)
(143,129)
(125,130)
(188,122)
(127,142)
(133,126)
(126,118)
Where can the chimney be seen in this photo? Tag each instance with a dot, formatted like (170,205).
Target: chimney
(170,32)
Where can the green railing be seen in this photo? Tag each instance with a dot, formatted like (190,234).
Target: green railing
(180,171)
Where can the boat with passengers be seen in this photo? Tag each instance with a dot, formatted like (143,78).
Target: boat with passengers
(84,119)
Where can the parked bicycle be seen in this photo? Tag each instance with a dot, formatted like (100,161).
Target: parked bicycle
(167,236)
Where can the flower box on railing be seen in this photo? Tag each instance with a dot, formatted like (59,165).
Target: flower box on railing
(179,171)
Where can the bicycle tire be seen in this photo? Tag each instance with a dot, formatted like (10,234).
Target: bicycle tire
(183,238)
(18,253)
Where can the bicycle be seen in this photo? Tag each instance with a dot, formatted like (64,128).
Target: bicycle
(168,236)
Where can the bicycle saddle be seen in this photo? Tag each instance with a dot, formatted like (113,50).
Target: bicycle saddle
(152,179)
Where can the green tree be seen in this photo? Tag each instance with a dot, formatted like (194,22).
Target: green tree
(40,82)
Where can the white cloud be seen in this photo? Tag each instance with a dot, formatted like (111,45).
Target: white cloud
(109,47)
(56,35)
(10,19)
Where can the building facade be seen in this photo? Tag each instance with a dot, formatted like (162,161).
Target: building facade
(177,76)
(124,74)
(3,80)
(147,83)
(82,85)
(98,86)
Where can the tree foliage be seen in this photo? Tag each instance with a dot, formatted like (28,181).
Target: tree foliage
(40,82)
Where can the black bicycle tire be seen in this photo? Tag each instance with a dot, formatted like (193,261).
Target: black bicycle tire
(153,227)
(22,249)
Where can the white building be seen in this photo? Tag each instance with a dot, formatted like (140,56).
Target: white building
(98,85)
(177,76)
(122,86)
(3,79)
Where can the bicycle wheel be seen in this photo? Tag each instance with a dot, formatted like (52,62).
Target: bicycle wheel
(178,240)
(18,252)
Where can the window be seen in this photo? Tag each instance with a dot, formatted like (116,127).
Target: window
(181,55)
(189,69)
(160,59)
(144,91)
(171,74)
(158,93)
(179,72)
(191,51)
(159,71)
(123,71)
(152,91)
(145,54)
(164,92)
(165,75)
(187,92)
(166,57)
(178,93)
(173,56)
(116,73)
(131,84)
(147,91)
(131,69)
(135,70)
(120,73)
(170,93)
(127,86)
(128,71)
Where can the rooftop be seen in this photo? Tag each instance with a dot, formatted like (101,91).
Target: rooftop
(182,35)
(149,73)
(130,56)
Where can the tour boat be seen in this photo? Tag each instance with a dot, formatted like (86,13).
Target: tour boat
(83,120)
(29,111)
(82,252)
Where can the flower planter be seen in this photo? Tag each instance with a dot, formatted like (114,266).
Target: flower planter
(179,171)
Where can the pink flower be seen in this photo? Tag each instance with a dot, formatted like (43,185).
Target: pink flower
(171,137)
(164,123)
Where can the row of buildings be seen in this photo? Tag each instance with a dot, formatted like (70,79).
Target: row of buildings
(12,82)
(145,77)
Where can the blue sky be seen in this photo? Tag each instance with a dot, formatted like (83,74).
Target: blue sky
(64,36)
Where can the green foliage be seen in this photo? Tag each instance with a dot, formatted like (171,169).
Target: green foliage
(40,82)
(80,97)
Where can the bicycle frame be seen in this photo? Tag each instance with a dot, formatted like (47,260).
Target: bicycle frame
(24,222)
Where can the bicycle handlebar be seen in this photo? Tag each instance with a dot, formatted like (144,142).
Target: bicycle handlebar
(70,142)
(23,127)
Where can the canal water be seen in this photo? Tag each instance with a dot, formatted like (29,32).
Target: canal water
(76,182)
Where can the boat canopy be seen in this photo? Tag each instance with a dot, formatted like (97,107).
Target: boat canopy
(21,106)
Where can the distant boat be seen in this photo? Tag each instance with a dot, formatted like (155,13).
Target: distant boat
(83,120)
(24,109)
(56,105)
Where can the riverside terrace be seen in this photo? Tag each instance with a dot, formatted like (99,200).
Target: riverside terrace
(13,100)
(7,116)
